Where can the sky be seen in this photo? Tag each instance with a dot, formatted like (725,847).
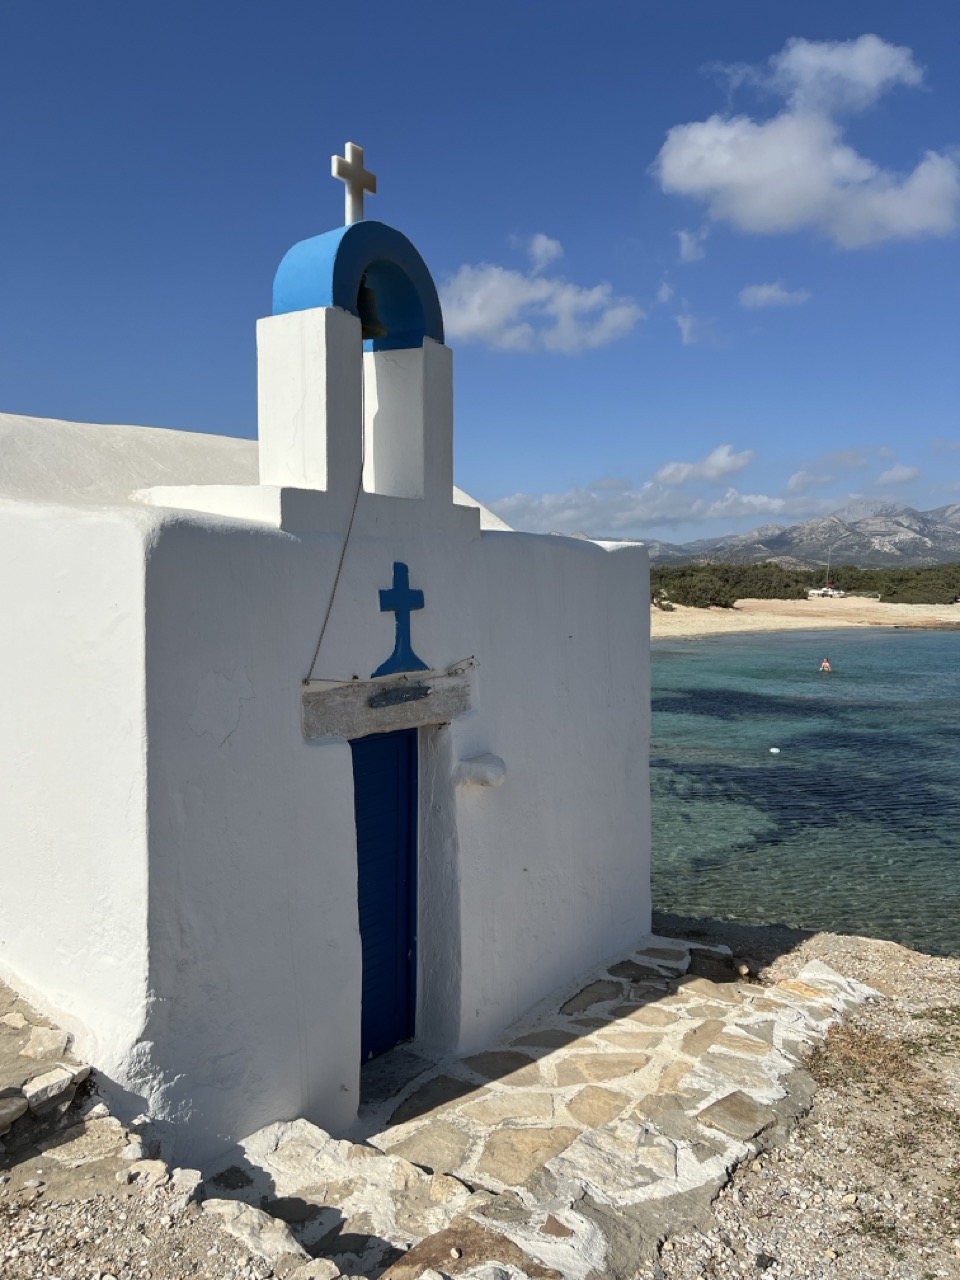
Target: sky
(699,263)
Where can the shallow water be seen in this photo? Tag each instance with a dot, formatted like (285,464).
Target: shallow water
(855,825)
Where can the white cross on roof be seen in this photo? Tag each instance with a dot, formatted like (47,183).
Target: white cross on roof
(350,170)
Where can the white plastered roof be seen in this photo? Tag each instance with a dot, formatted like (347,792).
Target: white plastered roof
(49,460)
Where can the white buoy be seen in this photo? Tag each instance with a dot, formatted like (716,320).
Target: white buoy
(774,751)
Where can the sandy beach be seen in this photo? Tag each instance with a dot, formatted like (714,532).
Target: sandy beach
(799,615)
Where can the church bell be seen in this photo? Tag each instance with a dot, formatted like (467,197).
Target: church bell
(371,324)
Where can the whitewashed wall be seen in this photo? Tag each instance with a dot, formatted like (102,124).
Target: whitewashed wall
(555,863)
(73,836)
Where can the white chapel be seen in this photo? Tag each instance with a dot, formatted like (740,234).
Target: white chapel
(306,755)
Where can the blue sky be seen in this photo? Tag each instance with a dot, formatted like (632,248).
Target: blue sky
(699,262)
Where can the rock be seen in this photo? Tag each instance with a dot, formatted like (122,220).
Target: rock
(815,971)
(594,1067)
(261,1234)
(477,1245)
(45,1042)
(595,993)
(433,1096)
(548,1038)
(515,1104)
(718,968)
(444,1189)
(438,1146)
(722,993)
(15,1021)
(85,1142)
(634,971)
(737,1115)
(504,1066)
(648,1015)
(594,1106)
(133,1150)
(148,1173)
(315,1269)
(47,1089)
(665,1112)
(701,1038)
(512,1156)
(741,1043)
(794,987)
(554,1227)
(673,1074)
(186,1181)
(737,1070)
(12,1108)
(629,1037)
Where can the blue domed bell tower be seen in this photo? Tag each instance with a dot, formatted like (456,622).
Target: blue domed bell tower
(354,376)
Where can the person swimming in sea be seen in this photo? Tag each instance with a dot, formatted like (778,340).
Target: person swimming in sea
(825,665)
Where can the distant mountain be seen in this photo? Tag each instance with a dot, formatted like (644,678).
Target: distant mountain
(947,515)
(874,535)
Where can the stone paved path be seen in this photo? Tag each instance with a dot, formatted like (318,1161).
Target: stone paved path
(594,1129)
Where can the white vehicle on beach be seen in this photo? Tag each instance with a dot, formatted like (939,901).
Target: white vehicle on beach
(825,591)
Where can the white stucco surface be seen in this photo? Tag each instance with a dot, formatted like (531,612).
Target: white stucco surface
(73,910)
(181,863)
(77,462)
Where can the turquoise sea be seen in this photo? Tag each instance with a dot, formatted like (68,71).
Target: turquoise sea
(854,825)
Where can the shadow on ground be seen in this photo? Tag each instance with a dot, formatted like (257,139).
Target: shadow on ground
(762,943)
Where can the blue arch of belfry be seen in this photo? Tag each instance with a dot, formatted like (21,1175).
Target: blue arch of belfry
(327,270)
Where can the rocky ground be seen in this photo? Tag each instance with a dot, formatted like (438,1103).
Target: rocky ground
(866,1185)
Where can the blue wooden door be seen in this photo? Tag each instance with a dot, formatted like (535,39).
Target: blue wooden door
(385,802)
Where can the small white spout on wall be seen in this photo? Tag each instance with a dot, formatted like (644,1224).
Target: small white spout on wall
(481,771)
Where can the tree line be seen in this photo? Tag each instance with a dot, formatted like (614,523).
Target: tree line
(702,585)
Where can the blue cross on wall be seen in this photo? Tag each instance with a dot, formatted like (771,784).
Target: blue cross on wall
(401,600)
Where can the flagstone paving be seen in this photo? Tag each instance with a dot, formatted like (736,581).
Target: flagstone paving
(594,1130)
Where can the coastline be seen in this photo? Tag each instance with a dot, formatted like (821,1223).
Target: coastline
(748,616)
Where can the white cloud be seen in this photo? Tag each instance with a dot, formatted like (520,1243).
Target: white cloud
(688,328)
(831,75)
(691,244)
(516,311)
(721,462)
(544,250)
(846,458)
(628,512)
(772,295)
(696,330)
(802,481)
(665,292)
(794,172)
(898,474)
